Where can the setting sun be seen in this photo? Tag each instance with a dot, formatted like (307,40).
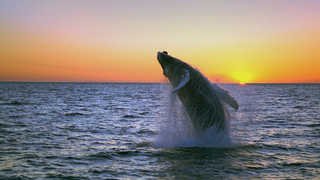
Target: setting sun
(242,77)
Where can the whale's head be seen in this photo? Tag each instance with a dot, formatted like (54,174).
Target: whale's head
(171,66)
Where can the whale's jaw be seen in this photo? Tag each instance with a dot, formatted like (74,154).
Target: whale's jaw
(171,66)
(165,61)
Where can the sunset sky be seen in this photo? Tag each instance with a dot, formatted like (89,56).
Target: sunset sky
(239,41)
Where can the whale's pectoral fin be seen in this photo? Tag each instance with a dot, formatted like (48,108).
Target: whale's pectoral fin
(184,81)
(225,97)
(232,102)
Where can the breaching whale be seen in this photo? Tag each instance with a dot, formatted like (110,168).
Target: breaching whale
(203,101)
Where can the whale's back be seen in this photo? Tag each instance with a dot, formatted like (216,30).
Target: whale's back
(201,103)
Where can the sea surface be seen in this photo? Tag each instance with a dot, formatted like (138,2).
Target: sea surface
(137,131)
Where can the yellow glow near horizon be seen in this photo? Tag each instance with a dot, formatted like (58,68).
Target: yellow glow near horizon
(242,77)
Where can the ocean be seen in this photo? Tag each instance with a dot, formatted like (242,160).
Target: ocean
(140,131)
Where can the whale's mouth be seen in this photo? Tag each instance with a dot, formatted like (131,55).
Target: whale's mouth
(164,61)
(163,57)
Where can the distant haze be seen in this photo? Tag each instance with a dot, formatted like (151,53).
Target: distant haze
(235,41)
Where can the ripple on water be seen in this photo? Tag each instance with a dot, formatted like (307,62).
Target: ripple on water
(101,156)
(74,114)
(130,116)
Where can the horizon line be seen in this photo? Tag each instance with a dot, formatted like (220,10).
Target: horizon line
(153,82)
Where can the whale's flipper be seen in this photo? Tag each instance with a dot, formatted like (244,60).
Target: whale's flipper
(225,97)
(185,80)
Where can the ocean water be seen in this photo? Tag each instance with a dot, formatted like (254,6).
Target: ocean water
(138,131)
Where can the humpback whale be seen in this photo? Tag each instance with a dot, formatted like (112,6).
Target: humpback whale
(204,102)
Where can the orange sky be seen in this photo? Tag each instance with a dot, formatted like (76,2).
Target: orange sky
(242,42)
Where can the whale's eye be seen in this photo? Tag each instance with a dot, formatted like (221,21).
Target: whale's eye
(165,52)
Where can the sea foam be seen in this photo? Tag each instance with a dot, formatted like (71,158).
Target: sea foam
(176,130)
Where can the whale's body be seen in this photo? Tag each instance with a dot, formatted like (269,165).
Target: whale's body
(203,102)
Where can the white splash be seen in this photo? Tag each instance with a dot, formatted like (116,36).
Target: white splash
(176,130)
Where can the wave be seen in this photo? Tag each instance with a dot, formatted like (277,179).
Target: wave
(100,155)
(130,116)
(74,114)
(13,103)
